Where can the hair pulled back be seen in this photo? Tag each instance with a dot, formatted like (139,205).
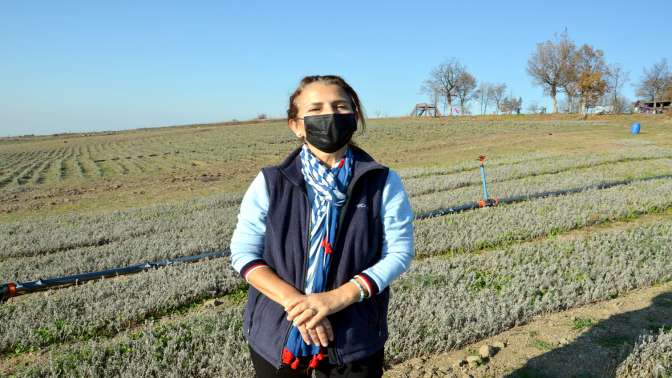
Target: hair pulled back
(293,109)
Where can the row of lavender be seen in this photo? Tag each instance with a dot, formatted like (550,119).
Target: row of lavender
(441,303)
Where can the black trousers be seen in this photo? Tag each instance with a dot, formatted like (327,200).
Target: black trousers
(368,367)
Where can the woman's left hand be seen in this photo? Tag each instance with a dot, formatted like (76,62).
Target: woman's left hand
(312,308)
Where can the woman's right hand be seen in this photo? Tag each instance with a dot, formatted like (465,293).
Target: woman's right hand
(320,335)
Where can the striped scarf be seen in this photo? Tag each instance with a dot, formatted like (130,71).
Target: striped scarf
(330,187)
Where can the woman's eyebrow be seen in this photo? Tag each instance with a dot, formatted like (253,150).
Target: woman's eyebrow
(333,102)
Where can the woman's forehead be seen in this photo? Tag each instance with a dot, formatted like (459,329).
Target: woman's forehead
(320,92)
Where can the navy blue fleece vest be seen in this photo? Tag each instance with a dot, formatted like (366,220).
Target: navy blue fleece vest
(361,328)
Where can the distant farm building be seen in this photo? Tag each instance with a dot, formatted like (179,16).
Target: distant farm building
(425,110)
(601,109)
(648,106)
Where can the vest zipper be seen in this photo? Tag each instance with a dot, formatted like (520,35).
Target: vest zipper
(305,259)
(307,238)
(342,215)
(339,227)
(339,359)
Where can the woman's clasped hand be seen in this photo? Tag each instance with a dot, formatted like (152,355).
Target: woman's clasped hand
(309,314)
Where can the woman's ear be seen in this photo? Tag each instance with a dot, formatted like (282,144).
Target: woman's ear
(295,127)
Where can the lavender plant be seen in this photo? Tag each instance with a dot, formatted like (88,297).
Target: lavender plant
(445,303)
(541,183)
(651,357)
(209,345)
(518,166)
(489,227)
(109,306)
(59,233)
(440,304)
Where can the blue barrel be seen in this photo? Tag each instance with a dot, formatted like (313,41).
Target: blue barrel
(634,129)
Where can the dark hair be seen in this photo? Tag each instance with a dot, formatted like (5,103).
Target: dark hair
(293,109)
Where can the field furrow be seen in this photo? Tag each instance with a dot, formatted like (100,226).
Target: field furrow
(37,237)
(438,305)
(574,179)
(106,307)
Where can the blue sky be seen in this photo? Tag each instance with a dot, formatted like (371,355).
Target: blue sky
(70,66)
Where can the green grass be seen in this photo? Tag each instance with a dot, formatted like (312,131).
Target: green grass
(581,323)
(542,345)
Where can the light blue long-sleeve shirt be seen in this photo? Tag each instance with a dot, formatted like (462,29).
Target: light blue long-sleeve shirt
(247,242)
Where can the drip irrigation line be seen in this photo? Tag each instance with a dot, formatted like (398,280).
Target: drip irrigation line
(528,197)
(11,289)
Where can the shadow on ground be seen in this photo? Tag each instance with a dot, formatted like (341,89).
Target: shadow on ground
(598,351)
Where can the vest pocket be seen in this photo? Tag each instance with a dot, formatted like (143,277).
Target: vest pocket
(376,308)
(252,309)
(380,303)
(359,326)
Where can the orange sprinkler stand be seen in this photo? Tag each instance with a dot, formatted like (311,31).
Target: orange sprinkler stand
(7,291)
(485,201)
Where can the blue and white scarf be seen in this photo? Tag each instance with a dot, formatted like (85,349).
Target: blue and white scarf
(330,188)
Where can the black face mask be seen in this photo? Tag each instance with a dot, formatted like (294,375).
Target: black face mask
(330,132)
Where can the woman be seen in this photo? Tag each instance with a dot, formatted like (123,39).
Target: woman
(319,239)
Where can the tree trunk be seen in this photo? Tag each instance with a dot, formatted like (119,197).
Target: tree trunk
(654,104)
(554,92)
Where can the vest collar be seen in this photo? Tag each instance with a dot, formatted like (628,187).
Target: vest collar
(362,162)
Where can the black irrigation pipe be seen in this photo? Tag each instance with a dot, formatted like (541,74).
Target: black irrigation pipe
(12,289)
(527,197)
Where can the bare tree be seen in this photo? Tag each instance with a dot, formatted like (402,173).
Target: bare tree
(570,78)
(464,90)
(655,82)
(550,64)
(446,77)
(498,91)
(616,78)
(533,107)
(571,89)
(433,89)
(484,95)
(570,84)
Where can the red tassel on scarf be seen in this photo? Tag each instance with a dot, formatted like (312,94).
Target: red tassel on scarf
(316,359)
(327,246)
(289,359)
(287,356)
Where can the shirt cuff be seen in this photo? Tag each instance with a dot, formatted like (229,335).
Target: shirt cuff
(370,284)
(250,266)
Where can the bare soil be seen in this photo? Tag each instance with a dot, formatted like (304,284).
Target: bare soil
(588,341)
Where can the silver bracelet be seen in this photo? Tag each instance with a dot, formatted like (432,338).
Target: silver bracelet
(361,289)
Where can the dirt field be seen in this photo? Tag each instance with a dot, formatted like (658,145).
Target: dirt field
(567,282)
